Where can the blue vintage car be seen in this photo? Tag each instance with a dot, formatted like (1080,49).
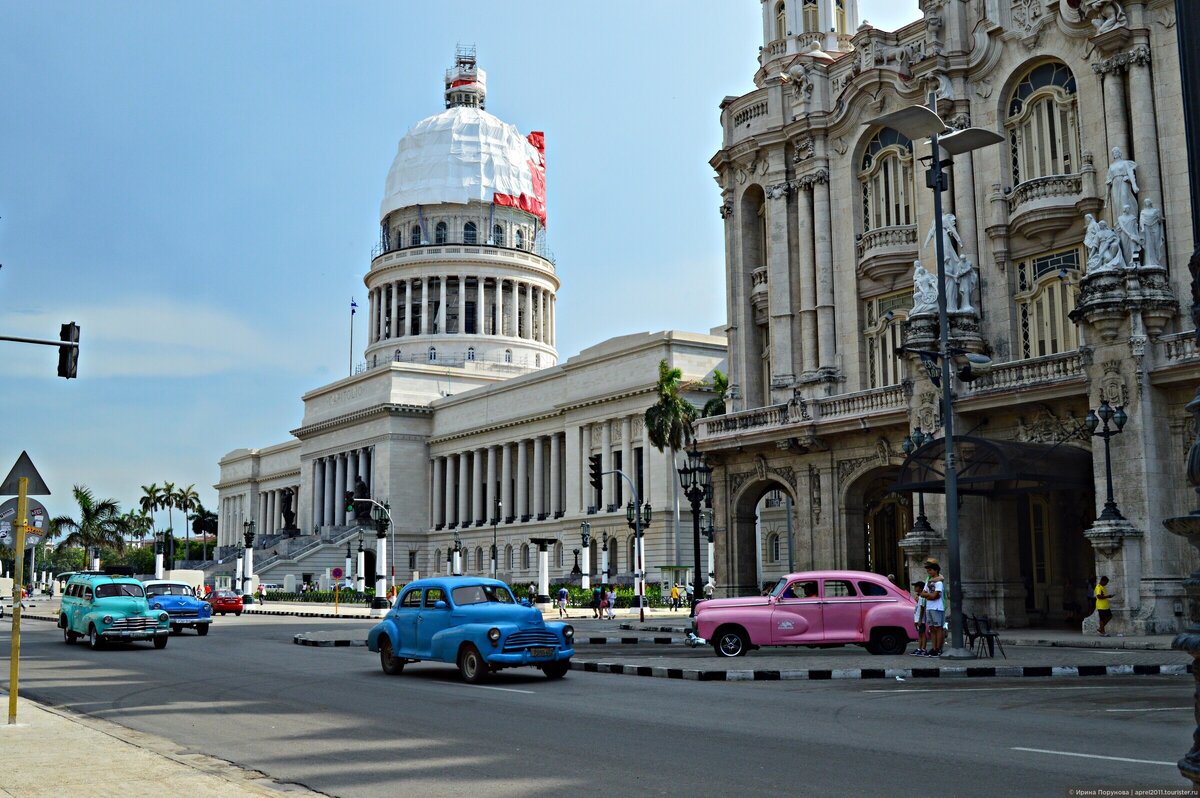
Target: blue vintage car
(180,603)
(473,622)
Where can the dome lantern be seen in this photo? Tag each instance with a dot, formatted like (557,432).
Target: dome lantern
(466,83)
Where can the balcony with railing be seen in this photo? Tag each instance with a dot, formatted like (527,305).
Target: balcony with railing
(886,253)
(537,254)
(1036,372)
(782,417)
(1045,204)
(747,116)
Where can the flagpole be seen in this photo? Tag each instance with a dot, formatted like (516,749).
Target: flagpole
(352,307)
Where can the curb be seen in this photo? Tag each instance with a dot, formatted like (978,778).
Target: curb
(296,614)
(626,641)
(301,640)
(1013,671)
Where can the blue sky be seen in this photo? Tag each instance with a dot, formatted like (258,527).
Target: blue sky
(198,184)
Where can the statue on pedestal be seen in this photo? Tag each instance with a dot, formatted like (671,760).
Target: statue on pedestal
(1130,235)
(1106,15)
(362,510)
(960,271)
(289,515)
(924,290)
(1122,183)
(1104,248)
(1154,245)
(949,237)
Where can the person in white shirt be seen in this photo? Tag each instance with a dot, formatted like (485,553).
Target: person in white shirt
(612,602)
(935,607)
(919,619)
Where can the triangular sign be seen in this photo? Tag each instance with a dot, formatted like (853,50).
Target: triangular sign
(24,468)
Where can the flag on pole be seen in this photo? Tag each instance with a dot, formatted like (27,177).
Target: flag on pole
(353,306)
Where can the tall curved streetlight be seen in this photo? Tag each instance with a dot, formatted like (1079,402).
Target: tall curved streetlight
(695,477)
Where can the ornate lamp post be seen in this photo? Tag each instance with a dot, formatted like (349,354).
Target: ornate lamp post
(604,558)
(383,519)
(585,537)
(248,563)
(638,520)
(911,444)
(158,555)
(707,529)
(1094,418)
(456,556)
(495,551)
(696,480)
(359,572)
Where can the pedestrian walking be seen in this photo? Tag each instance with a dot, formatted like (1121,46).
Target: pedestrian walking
(674,597)
(1103,608)
(612,603)
(532,593)
(935,607)
(562,601)
(919,618)
(597,600)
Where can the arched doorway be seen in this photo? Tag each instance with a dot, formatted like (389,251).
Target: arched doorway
(877,519)
(758,518)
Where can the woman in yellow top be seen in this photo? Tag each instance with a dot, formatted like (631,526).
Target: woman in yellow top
(1102,606)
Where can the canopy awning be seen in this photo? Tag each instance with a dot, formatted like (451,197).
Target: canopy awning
(989,467)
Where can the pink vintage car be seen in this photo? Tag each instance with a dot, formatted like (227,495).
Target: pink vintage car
(813,608)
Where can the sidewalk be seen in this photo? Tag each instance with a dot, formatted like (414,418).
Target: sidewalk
(47,750)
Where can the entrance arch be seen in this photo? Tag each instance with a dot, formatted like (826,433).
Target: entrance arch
(877,518)
(744,548)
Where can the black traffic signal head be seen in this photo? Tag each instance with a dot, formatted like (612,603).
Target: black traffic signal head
(350,502)
(595,470)
(68,356)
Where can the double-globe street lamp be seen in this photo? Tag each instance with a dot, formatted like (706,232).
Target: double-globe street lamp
(911,444)
(638,519)
(695,477)
(585,539)
(247,575)
(918,122)
(381,514)
(1105,414)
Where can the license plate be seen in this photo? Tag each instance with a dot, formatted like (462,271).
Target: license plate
(541,652)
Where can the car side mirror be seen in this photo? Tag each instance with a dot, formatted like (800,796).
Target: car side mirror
(440,605)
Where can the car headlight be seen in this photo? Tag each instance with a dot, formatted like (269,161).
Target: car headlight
(163,617)
(569,632)
(156,606)
(494,635)
(107,619)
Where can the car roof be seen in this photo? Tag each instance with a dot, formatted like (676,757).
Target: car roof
(97,578)
(166,582)
(451,582)
(868,575)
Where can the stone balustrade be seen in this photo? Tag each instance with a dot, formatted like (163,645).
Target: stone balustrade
(754,419)
(1042,188)
(834,408)
(904,237)
(1020,374)
(1179,348)
(750,111)
(861,403)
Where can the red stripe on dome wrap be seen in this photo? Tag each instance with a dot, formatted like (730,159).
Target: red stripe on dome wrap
(536,203)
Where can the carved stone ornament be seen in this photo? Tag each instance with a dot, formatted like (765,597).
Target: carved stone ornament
(805,149)
(797,408)
(926,413)
(1046,427)
(1113,388)
(1025,14)
(883,450)
(1105,15)
(814,494)
(840,146)
(726,209)
(778,190)
(847,467)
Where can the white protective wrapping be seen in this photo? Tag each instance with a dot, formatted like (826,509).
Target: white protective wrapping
(459,155)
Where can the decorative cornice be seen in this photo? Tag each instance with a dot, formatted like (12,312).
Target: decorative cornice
(361,415)
(779,190)
(1138,56)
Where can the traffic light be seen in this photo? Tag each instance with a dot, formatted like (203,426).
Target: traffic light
(350,504)
(595,469)
(68,356)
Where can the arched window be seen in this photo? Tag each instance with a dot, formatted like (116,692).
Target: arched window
(414,236)
(883,334)
(525,556)
(437,560)
(466,560)
(812,16)
(1045,300)
(479,559)
(439,234)
(508,558)
(470,233)
(886,179)
(773,548)
(537,359)
(558,555)
(632,558)
(470,353)
(1043,133)
(520,239)
(507,355)
(840,15)
(432,354)
(780,20)
(498,235)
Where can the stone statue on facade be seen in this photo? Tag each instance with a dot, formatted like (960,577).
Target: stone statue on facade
(1154,244)
(924,290)
(1122,183)
(1130,235)
(1104,249)
(1105,15)
(289,515)
(960,271)
(949,237)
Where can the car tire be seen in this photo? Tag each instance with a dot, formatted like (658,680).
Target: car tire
(471,666)
(391,664)
(202,629)
(69,637)
(556,670)
(731,642)
(888,641)
(94,640)
(238,614)
(160,641)
(176,630)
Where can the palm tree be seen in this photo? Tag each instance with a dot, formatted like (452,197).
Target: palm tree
(151,500)
(166,501)
(187,500)
(98,525)
(669,419)
(720,387)
(204,522)
(140,523)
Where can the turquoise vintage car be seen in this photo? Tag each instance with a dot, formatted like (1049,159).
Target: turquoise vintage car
(473,622)
(106,608)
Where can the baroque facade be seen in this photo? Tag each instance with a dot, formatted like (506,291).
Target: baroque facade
(462,418)
(1066,260)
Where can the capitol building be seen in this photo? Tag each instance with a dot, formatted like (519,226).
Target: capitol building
(463,418)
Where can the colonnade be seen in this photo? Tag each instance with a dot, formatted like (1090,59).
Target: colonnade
(230,518)
(422,305)
(333,476)
(270,508)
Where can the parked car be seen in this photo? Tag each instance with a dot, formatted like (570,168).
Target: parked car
(224,601)
(180,603)
(813,608)
(473,622)
(107,608)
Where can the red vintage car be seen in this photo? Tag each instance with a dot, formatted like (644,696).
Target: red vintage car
(224,601)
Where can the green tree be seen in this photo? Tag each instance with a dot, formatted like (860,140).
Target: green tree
(204,523)
(151,499)
(720,387)
(186,500)
(669,419)
(166,501)
(97,526)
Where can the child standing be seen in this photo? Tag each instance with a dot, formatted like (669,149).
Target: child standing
(919,618)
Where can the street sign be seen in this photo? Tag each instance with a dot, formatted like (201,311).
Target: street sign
(24,468)
(35,530)
(337,573)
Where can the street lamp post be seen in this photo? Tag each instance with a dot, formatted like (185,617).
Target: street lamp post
(585,537)
(359,572)
(381,515)
(1105,414)
(638,518)
(917,122)
(248,563)
(495,552)
(158,555)
(695,477)
(604,559)
(456,556)
(911,444)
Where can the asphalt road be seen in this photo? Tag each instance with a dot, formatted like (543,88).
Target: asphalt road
(330,719)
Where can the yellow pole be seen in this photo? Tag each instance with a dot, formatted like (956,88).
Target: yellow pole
(335,598)
(19,574)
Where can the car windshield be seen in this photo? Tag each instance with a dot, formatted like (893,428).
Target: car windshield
(779,586)
(482,594)
(110,590)
(168,590)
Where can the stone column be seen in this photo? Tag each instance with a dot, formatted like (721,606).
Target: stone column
(364,470)
(553,328)
(1145,125)
(514,297)
(522,482)
(438,493)
(331,500)
(826,331)
(477,514)
(544,304)
(397,330)
(272,512)
(462,304)
(627,464)
(1114,110)
(449,510)
(372,314)
(318,502)
(608,495)
(555,482)
(779,294)
(529,311)
(339,490)
(424,281)
(351,474)
(498,305)
(479,306)
(491,485)
(539,463)
(464,488)
(443,311)
(507,509)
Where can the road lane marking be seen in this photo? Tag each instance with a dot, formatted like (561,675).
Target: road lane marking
(1151,709)
(501,689)
(1097,756)
(980,689)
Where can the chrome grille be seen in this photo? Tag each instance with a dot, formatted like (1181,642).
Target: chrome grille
(135,623)
(530,637)
(184,614)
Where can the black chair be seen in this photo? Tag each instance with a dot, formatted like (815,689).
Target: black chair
(971,630)
(986,633)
